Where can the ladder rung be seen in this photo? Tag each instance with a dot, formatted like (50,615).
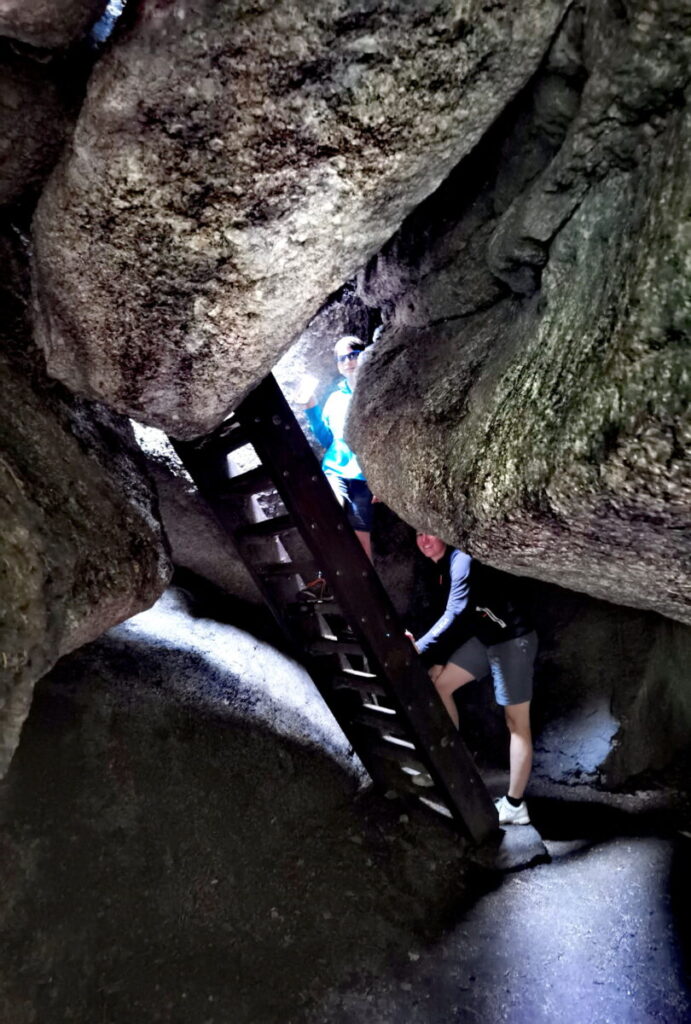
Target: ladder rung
(266,528)
(305,569)
(251,482)
(430,798)
(359,673)
(382,721)
(323,607)
(343,681)
(403,782)
(325,646)
(225,439)
(393,752)
(229,437)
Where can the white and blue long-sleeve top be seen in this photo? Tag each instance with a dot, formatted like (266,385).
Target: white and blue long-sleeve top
(451,628)
(328,425)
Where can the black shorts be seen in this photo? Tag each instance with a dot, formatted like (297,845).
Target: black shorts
(510,664)
(356,499)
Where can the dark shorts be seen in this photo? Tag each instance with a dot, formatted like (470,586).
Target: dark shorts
(510,664)
(356,499)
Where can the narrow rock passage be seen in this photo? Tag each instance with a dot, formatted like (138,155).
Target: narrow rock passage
(180,846)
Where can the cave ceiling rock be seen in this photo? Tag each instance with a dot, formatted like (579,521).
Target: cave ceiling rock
(234,164)
(436,267)
(49,24)
(80,546)
(35,115)
(547,433)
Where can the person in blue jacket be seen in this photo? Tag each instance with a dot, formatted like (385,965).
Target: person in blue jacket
(339,463)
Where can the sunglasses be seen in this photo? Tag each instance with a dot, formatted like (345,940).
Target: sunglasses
(347,357)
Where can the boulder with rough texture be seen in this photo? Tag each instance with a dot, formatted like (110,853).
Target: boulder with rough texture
(528,399)
(234,164)
(49,24)
(35,115)
(196,539)
(80,545)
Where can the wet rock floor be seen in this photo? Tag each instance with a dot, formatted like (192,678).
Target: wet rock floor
(163,862)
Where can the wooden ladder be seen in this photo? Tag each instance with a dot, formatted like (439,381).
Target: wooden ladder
(352,643)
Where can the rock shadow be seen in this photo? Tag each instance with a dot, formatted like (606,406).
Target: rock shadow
(166,860)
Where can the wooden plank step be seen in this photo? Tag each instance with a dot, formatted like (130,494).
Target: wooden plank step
(430,798)
(368,684)
(325,646)
(359,672)
(266,528)
(402,755)
(230,436)
(384,721)
(323,607)
(252,482)
(268,569)
(429,795)
(227,438)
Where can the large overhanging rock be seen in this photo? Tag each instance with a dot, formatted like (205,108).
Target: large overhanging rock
(80,545)
(528,401)
(234,163)
(48,23)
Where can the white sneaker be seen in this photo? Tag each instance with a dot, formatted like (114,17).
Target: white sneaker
(509,815)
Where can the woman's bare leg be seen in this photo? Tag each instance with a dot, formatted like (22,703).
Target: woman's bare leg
(520,747)
(447,681)
(366,541)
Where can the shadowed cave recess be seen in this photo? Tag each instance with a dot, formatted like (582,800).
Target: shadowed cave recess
(494,198)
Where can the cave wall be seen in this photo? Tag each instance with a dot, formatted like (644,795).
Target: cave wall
(49,24)
(528,398)
(36,113)
(81,546)
(613,696)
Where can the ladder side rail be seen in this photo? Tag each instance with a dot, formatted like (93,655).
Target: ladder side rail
(282,446)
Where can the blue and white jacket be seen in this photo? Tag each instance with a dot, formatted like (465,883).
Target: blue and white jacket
(328,425)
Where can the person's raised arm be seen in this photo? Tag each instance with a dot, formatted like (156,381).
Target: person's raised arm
(431,643)
(316,416)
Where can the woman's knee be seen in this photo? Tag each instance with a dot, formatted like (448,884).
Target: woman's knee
(518,718)
(451,678)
